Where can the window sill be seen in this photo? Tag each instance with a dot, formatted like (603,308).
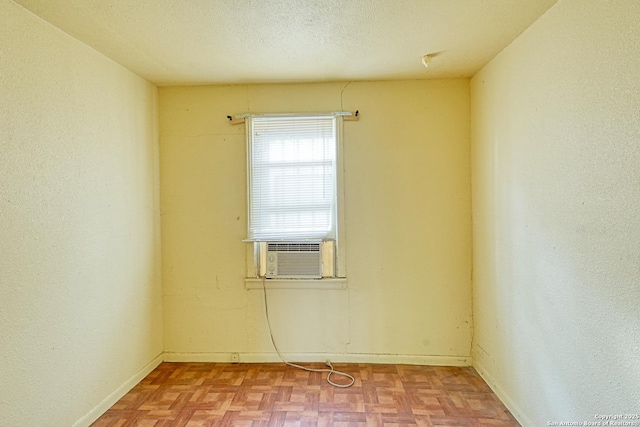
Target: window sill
(330,283)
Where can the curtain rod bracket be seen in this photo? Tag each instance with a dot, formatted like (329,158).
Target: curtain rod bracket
(236,120)
(353,117)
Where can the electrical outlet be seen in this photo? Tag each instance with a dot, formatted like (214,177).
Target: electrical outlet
(235,358)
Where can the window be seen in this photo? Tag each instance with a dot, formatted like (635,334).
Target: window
(293,166)
(292,187)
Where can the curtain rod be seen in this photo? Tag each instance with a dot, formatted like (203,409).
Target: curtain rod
(346,115)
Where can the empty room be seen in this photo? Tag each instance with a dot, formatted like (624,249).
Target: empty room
(320,212)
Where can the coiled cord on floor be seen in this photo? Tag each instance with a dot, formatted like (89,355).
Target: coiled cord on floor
(329,371)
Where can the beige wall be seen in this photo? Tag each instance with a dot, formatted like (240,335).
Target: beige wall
(80,297)
(407,208)
(556,215)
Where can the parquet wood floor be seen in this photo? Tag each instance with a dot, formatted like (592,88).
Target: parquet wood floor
(219,394)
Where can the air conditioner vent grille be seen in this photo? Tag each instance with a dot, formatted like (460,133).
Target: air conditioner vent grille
(303,264)
(293,247)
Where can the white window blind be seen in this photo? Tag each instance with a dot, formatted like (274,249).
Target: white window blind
(292,177)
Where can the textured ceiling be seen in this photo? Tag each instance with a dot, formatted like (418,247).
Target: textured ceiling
(187,42)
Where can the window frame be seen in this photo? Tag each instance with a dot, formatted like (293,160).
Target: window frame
(254,254)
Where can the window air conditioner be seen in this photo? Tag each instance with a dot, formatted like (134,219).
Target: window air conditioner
(294,260)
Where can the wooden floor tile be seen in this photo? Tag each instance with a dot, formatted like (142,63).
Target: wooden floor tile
(218,394)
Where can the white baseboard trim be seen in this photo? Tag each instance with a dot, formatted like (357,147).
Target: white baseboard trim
(102,407)
(511,405)
(399,359)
